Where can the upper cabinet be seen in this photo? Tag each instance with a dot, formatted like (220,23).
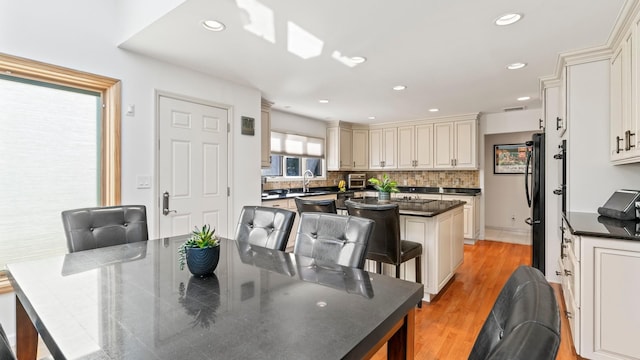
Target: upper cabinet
(360,149)
(456,145)
(624,106)
(415,147)
(339,148)
(265,134)
(383,148)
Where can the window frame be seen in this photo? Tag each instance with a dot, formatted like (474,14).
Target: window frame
(110,147)
(303,163)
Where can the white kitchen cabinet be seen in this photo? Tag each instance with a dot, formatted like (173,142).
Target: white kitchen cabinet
(265,134)
(471,215)
(456,145)
(609,302)
(383,148)
(339,148)
(569,273)
(360,149)
(415,147)
(443,248)
(624,108)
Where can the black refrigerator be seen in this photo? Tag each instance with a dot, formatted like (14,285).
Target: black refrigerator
(534,187)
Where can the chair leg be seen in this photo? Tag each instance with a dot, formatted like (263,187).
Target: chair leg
(397,271)
(379,267)
(419,277)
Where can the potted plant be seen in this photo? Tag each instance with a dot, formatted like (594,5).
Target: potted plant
(201,252)
(385,187)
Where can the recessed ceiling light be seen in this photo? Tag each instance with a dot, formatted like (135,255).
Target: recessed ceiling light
(508,19)
(399,87)
(524,98)
(323,101)
(213,25)
(371,117)
(358,59)
(434,110)
(516,66)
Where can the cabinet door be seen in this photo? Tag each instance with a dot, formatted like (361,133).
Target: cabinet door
(457,239)
(265,138)
(444,249)
(443,145)
(406,147)
(333,148)
(375,148)
(360,149)
(390,144)
(346,148)
(465,140)
(423,146)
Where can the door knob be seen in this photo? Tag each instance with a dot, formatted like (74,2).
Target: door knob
(165,204)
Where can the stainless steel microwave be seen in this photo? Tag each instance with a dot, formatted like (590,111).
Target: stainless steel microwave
(357,181)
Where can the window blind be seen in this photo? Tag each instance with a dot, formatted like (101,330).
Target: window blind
(296,145)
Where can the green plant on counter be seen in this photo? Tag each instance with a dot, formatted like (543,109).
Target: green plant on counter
(384,185)
(200,238)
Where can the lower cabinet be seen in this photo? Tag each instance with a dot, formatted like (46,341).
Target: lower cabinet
(601,292)
(442,240)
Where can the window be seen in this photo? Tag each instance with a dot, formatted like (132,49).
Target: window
(292,155)
(94,142)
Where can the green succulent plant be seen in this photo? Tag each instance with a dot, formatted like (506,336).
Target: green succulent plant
(384,185)
(200,238)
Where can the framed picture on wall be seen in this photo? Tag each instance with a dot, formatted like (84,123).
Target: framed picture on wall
(510,158)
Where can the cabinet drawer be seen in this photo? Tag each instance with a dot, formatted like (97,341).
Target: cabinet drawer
(282,204)
(571,276)
(572,313)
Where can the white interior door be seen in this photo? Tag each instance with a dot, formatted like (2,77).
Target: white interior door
(192,163)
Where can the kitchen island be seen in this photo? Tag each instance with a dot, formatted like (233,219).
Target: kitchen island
(436,224)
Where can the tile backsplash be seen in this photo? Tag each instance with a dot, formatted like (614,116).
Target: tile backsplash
(457,178)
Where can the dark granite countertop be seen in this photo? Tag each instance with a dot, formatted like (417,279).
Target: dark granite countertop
(297,192)
(593,224)
(414,207)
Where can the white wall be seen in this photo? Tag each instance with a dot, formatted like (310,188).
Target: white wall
(592,178)
(297,124)
(83,35)
(504,196)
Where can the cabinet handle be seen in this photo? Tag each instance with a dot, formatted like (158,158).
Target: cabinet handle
(627,140)
(540,124)
(558,121)
(557,192)
(562,257)
(568,272)
(559,273)
(568,314)
(568,241)
(618,139)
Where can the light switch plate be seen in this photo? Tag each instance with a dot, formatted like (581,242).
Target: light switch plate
(144,182)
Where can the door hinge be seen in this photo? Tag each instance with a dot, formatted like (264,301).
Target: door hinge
(228,191)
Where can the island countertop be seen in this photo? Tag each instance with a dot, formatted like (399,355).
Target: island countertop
(414,207)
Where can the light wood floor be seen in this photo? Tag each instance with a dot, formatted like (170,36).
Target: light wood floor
(447,327)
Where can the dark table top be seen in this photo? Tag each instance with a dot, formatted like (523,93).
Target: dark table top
(593,224)
(414,207)
(133,302)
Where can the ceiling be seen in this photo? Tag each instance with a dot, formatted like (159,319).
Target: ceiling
(448,53)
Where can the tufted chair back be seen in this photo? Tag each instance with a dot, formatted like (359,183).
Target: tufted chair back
(5,348)
(265,226)
(338,239)
(524,322)
(309,205)
(91,228)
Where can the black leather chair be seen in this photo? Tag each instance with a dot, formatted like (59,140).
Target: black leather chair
(265,226)
(310,205)
(5,349)
(91,228)
(524,322)
(337,239)
(386,245)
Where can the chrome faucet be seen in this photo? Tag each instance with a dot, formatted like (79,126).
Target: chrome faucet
(305,180)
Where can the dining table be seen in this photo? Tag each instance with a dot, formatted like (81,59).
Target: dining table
(133,301)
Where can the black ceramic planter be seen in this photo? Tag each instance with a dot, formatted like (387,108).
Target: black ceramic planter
(202,262)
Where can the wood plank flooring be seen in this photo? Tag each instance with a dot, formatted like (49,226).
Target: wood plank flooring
(447,327)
